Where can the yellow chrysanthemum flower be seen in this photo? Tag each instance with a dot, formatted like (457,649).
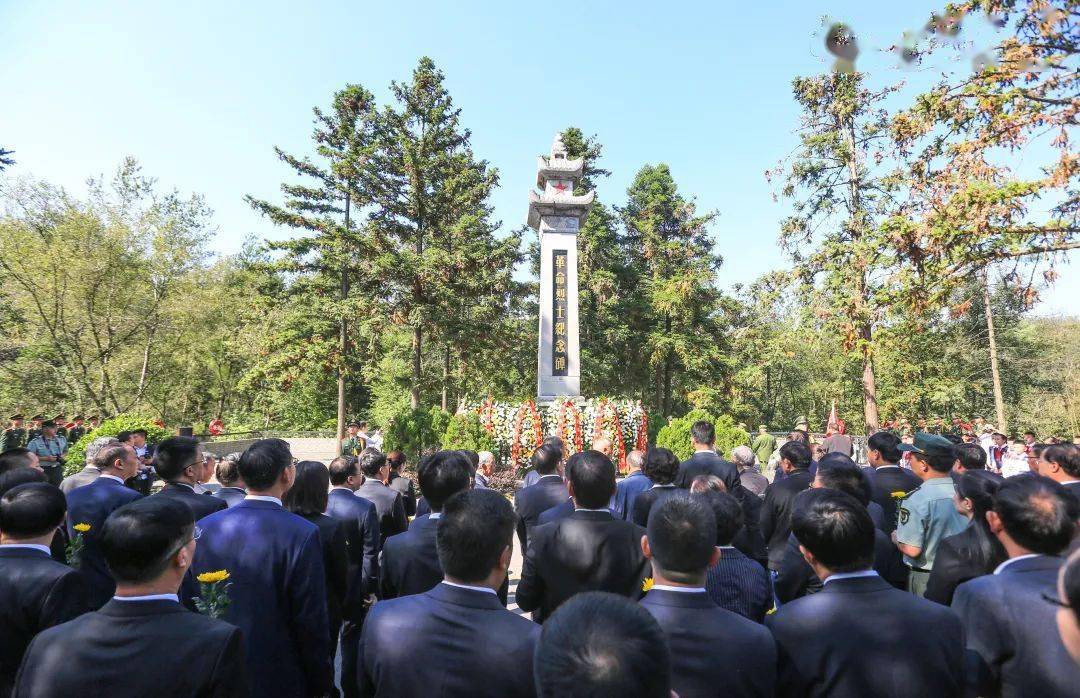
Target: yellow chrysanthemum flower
(213,577)
(647,584)
(898,494)
(81,527)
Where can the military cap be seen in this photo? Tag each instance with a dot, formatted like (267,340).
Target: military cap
(38,417)
(924,442)
(77,418)
(48,424)
(15,417)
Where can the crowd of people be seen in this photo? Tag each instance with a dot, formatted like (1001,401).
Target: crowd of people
(924,573)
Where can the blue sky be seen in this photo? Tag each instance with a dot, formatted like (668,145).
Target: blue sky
(200,91)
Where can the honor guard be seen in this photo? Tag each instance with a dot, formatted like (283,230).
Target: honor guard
(354,444)
(35,427)
(61,423)
(15,435)
(77,430)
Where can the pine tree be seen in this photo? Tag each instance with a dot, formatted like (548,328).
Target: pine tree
(444,273)
(329,261)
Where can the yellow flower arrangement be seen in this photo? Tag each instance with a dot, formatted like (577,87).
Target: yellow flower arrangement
(81,527)
(213,577)
(898,494)
(647,584)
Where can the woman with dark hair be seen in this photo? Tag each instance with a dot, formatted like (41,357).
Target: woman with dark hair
(308,497)
(401,483)
(661,466)
(975,551)
(1068,602)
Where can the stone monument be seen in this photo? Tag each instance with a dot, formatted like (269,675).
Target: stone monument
(556,213)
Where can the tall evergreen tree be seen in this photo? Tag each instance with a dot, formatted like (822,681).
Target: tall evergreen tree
(328,259)
(443,270)
(671,254)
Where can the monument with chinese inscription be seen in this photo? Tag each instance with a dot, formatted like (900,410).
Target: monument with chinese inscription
(557,213)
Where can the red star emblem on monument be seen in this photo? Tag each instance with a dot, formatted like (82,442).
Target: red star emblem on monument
(560,187)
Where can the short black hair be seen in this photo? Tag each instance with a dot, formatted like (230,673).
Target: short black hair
(941,459)
(971,456)
(797,453)
(602,644)
(1065,456)
(263,463)
(545,459)
(682,536)
(396,459)
(140,538)
(838,472)
(140,431)
(15,458)
(1038,513)
(31,510)
(1070,582)
(885,443)
(341,468)
(703,432)
(444,474)
(475,528)
(226,472)
(728,513)
(20,476)
(593,479)
(123,436)
(473,459)
(109,453)
(372,461)
(310,491)
(661,465)
(174,454)
(835,527)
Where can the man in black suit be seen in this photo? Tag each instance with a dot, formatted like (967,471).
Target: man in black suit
(1061,463)
(149,545)
(589,550)
(705,460)
(848,639)
(661,467)
(410,560)
(796,577)
(232,487)
(713,651)
(91,505)
(549,491)
(400,483)
(887,477)
(455,639)
(360,521)
(1008,624)
(600,644)
(179,461)
(736,582)
(776,509)
(36,592)
(388,503)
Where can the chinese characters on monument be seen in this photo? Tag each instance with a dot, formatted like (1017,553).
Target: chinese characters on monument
(559,346)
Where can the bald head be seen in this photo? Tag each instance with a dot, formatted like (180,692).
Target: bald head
(635,460)
(603,446)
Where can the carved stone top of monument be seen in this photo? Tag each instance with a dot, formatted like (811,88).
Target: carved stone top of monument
(556,176)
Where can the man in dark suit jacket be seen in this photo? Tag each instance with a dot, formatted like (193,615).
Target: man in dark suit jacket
(388,502)
(843,641)
(589,550)
(887,476)
(455,639)
(705,460)
(661,467)
(400,483)
(179,461)
(557,512)
(713,651)
(776,509)
(278,584)
(736,582)
(91,505)
(1008,624)
(232,487)
(361,524)
(796,578)
(410,560)
(143,642)
(549,491)
(1061,463)
(36,592)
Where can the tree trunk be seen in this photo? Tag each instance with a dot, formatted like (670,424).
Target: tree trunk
(414,389)
(870,409)
(343,338)
(999,399)
(445,373)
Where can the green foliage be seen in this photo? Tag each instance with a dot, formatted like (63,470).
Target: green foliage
(410,432)
(675,435)
(465,432)
(76,457)
(438,420)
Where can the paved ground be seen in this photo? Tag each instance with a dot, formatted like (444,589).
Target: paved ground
(313,449)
